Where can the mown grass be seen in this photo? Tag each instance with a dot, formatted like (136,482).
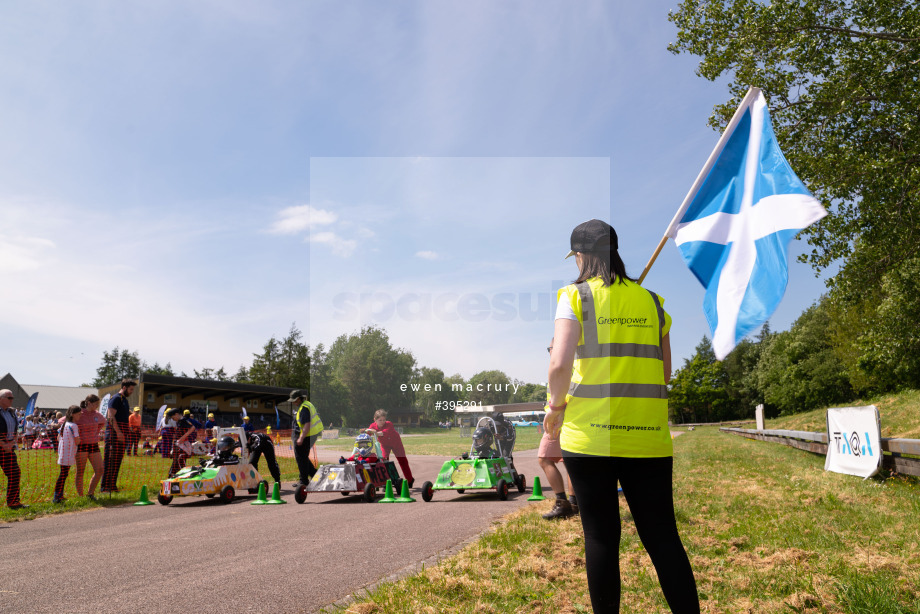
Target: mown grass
(439,442)
(766,528)
(899,415)
(40,471)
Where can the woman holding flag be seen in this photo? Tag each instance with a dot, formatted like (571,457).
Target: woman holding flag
(608,372)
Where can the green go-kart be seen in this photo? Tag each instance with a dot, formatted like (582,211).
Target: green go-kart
(485,467)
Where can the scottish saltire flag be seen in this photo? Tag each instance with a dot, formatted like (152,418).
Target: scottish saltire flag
(30,406)
(739,218)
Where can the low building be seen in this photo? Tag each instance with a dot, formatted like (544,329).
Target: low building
(226,400)
(50,398)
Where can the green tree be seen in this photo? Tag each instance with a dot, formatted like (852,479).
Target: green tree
(284,362)
(490,388)
(427,400)
(156,369)
(373,371)
(458,385)
(116,365)
(527,393)
(799,369)
(214,375)
(841,79)
(698,391)
(327,393)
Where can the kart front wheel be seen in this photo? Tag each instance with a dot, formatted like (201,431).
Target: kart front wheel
(521,482)
(460,491)
(164,499)
(370,493)
(502,488)
(300,495)
(227,494)
(210,495)
(345,493)
(427,491)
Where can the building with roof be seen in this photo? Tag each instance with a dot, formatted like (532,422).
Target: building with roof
(50,398)
(226,400)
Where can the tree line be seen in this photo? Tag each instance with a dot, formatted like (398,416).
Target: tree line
(841,81)
(788,372)
(349,380)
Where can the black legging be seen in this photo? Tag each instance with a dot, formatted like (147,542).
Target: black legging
(646,484)
(261,444)
(62,479)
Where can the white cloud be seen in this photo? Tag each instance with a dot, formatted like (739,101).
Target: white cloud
(427,255)
(292,220)
(24,254)
(340,246)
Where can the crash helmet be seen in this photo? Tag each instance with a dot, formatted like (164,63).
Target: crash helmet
(364,444)
(225,446)
(482,439)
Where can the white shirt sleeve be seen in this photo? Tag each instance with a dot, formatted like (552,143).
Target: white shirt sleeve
(564,309)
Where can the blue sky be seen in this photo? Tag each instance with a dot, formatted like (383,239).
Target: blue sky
(188,179)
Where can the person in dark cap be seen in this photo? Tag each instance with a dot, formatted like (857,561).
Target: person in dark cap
(306,428)
(608,375)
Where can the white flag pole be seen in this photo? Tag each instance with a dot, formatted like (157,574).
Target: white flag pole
(749,98)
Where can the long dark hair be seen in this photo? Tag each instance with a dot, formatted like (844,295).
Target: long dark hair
(89,400)
(73,409)
(606,264)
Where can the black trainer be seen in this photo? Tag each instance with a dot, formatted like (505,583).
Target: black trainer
(562,509)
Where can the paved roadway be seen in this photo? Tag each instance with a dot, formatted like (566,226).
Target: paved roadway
(198,555)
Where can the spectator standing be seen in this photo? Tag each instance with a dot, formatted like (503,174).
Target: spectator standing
(187,414)
(548,456)
(247,425)
(91,424)
(116,434)
(67,450)
(608,372)
(134,431)
(182,447)
(209,425)
(8,461)
(305,430)
(390,441)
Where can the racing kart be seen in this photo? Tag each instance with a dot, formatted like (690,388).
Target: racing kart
(354,476)
(482,468)
(221,475)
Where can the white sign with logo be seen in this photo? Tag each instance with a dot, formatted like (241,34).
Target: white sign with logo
(854,441)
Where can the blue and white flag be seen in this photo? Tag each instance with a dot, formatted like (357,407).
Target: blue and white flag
(277,418)
(30,406)
(736,224)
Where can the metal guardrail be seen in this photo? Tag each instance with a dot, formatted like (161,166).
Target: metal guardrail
(892,449)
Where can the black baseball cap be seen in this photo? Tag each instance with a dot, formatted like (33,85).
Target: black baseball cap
(297,394)
(591,236)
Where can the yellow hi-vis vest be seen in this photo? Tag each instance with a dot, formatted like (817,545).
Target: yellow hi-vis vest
(316,425)
(617,401)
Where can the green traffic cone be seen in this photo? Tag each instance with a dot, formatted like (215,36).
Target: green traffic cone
(260,500)
(276,495)
(388,498)
(144,500)
(537,490)
(404,497)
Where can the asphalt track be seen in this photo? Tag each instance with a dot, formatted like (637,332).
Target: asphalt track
(197,555)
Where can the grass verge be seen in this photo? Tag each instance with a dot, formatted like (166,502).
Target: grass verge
(766,528)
